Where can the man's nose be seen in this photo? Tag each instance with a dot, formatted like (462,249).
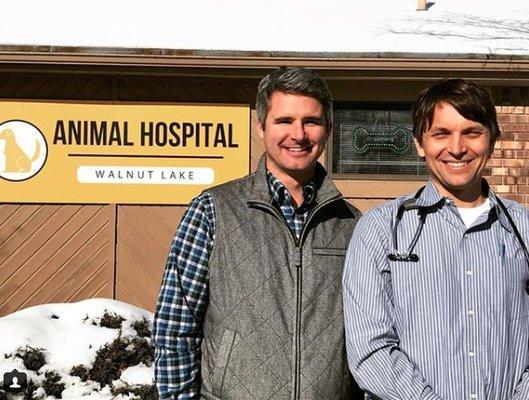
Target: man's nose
(298,132)
(457,144)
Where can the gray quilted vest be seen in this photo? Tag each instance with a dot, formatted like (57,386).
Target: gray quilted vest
(273,328)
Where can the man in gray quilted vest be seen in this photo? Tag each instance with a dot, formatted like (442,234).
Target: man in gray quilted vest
(251,305)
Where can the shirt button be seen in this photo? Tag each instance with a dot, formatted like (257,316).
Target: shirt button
(473,396)
(469,272)
(470,312)
(471,354)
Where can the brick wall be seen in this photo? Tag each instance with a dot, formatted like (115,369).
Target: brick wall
(508,169)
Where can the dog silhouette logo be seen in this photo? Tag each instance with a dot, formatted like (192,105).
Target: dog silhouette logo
(23,150)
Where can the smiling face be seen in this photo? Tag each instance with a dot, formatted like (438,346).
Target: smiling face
(294,135)
(456,150)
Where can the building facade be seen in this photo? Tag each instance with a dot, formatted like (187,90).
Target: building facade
(68,252)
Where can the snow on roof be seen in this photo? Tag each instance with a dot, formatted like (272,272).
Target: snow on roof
(313,26)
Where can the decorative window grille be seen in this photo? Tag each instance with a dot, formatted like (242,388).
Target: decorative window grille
(375,140)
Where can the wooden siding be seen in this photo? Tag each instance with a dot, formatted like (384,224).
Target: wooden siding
(55,253)
(144,236)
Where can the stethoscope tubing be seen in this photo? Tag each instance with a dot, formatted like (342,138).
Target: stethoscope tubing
(409,204)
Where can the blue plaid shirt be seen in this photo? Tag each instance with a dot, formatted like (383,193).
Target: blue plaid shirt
(177,332)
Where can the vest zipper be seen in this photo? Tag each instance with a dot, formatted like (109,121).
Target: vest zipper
(298,262)
(297,338)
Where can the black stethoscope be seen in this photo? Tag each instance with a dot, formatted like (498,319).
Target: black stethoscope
(423,211)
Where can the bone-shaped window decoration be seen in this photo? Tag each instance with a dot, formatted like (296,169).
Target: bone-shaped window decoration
(375,139)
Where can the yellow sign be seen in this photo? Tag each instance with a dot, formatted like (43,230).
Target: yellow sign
(53,152)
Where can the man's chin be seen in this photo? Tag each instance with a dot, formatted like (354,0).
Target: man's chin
(461,189)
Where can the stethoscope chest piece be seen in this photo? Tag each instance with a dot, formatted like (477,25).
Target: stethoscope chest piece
(403,257)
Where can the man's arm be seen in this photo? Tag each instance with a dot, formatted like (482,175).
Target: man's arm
(177,331)
(375,359)
(521,392)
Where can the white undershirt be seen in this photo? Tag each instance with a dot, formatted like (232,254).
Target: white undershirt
(469,215)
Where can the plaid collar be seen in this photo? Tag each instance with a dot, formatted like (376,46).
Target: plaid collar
(280,193)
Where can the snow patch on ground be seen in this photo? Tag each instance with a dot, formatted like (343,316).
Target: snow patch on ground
(138,375)
(70,335)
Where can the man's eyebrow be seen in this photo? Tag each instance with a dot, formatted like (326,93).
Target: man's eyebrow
(442,129)
(438,129)
(476,127)
(313,118)
(283,118)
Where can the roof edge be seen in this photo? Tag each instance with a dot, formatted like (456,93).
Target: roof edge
(116,56)
(31,49)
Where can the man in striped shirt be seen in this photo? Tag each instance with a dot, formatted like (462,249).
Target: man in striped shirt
(445,316)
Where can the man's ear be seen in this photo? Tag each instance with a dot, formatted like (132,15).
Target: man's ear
(420,150)
(329,129)
(260,129)
(491,148)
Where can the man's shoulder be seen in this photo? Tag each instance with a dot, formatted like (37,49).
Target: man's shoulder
(513,205)
(234,186)
(518,212)
(386,210)
(379,220)
(356,213)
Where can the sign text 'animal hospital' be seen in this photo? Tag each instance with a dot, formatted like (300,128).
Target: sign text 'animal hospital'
(53,152)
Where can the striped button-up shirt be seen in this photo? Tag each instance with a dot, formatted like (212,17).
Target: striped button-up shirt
(177,331)
(453,325)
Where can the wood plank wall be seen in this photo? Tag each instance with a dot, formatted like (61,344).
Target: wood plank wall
(55,253)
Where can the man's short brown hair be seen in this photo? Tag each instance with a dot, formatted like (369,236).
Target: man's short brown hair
(293,80)
(471,101)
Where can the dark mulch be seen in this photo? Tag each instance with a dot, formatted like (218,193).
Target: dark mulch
(33,358)
(81,371)
(142,328)
(142,392)
(142,352)
(52,384)
(112,321)
(110,360)
(30,388)
(113,358)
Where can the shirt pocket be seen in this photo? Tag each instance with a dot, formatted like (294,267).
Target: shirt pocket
(329,259)
(408,298)
(516,273)
(328,251)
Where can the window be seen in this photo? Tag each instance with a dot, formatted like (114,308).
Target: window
(375,140)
